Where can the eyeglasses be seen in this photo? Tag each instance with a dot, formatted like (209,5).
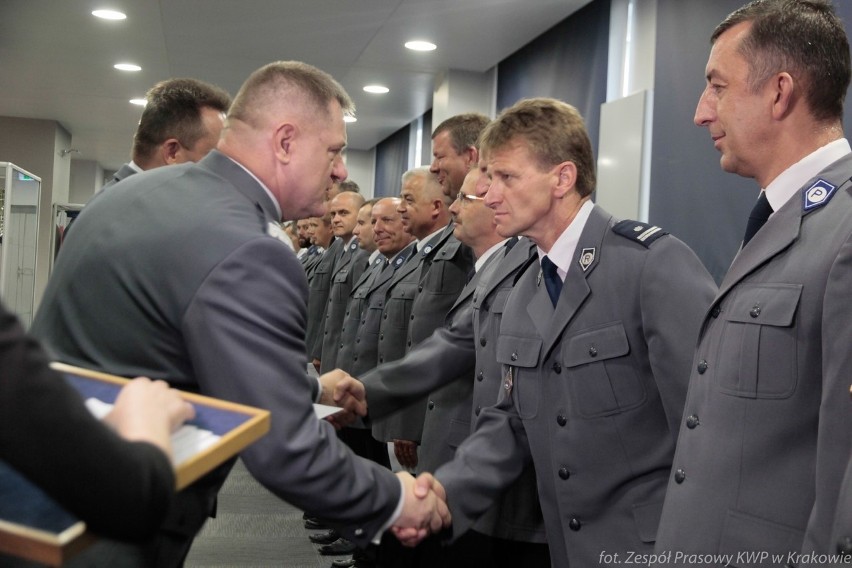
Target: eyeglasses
(463,198)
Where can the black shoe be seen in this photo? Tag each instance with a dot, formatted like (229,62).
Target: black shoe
(314,523)
(343,563)
(326,537)
(338,547)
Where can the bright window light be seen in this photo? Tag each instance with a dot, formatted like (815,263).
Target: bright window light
(376,89)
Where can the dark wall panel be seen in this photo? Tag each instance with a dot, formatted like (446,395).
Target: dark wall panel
(391,163)
(568,62)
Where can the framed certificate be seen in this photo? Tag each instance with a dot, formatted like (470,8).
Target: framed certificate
(34,527)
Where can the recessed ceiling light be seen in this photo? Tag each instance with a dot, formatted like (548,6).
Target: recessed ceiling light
(349,118)
(109,14)
(419,45)
(127,67)
(376,89)
(140,102)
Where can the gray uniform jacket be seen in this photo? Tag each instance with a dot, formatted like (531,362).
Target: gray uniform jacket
(594,393)
(768,428)
(147,285)
(418,301)
(359,336)
(348,271)
(123,172)
(449,352)
(841,534)
(318,289)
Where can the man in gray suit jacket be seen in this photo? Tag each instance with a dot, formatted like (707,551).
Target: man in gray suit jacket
(182,121)
(150,286)
(768,429)
(595,345)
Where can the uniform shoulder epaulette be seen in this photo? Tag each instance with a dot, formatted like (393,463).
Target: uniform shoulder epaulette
(643,233)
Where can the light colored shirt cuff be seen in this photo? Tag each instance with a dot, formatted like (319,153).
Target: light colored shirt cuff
(393,518)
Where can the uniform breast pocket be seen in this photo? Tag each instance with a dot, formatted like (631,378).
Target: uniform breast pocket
(520,354)
(398,305)
(602,376)
(757,349)
(339,290)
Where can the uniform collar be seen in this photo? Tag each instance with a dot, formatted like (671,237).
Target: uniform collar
(791,180)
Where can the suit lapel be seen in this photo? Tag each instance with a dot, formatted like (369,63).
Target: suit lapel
(513,260)
(576,289)
(243,182)
(782,229)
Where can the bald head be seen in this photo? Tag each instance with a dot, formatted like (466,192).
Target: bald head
(286,127)
(343,209)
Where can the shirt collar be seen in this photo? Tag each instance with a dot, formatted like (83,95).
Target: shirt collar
(424,242)
(487,254)
(135,167)
(791,180)
(563,249)
(263,185)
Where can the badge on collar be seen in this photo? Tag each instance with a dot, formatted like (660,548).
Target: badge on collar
(398,262)
(587,257)
(427,249)
(818,194)
(353,246)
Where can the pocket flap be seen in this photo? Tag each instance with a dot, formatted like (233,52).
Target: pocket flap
(590,346)
(765,304)
(518,351)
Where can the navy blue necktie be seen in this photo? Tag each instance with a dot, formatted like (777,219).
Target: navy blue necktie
(757,218)
(552,281)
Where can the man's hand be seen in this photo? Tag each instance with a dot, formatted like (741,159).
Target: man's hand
(406,453)
(341,390)
(424,509)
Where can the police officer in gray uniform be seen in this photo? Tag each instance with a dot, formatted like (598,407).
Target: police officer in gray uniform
(595,346)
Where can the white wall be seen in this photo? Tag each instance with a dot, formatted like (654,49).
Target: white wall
(362,170)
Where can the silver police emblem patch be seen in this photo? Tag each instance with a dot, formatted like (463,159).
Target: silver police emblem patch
(587,257)
(818,194)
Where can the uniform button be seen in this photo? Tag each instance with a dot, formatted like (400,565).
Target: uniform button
(755,311)
(420,288)
(381,359)
(355,358)
(359,532)
(680,475)
(347,312)
(561,420)
(480,376)
(325,333)
(478,409)
(702,367)
(574,524)
(564,473)
(357,340)
(692,422)
(409,344)
(341,346)
(482,341)
(716,311)
(412,317)
(363,322)
(385,316)
(557,368)
(844,545)
(593,351)
(381,337)
(431,405)
(514,357)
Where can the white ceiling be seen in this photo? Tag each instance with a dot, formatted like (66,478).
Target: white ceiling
(56,58)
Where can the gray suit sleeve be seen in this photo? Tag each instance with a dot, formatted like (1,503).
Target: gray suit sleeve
(675,292)
(437,361)
(485,465)
(244,330)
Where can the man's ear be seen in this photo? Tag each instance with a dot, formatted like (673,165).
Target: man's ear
(471,155)
(169,151)
(566,178)
(783,88)
(284,137)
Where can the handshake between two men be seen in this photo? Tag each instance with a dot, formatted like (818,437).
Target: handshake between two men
(424,509)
